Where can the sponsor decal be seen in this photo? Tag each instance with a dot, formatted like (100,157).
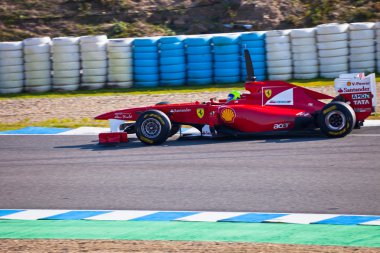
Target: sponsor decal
(280,126)
(228,115)
(180,110)
(354,89)
(329,109)
(200,112)
(123,115)
(303,114)
(361,102)
(363,109)
(281,96)
(268,93)
(361,96)
(348,83)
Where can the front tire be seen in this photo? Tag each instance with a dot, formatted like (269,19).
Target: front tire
(153,127)
(337,119)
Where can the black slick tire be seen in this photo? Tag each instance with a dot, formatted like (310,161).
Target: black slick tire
(153,127)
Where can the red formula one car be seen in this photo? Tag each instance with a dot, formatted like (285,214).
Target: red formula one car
(268,107)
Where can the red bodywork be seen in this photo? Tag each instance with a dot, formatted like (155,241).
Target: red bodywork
(258,111)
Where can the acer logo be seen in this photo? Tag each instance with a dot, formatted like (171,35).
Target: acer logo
(280,126)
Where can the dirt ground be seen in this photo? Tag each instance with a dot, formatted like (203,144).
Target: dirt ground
(58,246)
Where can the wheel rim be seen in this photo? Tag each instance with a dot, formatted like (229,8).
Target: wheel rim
(335,120)
(151,128)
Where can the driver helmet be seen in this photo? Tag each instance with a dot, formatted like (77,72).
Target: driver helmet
(234,95)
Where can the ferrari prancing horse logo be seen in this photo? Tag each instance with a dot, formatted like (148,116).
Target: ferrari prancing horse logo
(200,112)
(268,93)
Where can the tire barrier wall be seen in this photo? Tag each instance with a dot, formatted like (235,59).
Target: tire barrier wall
(92,62)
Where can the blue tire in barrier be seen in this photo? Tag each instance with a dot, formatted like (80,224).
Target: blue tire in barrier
(172,76)
(252,36)
(147,49)
(261,78)
(258,72)
(145,78)
(256,65)
(198,50)
(225,40)
(226,57)
(172,60)
(254,50)
(145,41)
(178,82)
(232,79)
(226,72)
(200,81)
(171,39)
(256,58)
(198,41)
(172,53)
(199,74)
(199,58)
(145,56)
(145,70)
(145,63)
(227,64)
(253,43)
(172,46)
(199,65)
(226,49)
(142,84)
(173,68)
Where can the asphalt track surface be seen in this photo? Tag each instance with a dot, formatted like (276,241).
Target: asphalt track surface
(287,174)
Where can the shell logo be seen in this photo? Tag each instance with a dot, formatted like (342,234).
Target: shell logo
(228,115)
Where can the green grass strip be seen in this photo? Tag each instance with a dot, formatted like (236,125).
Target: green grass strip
(358,236)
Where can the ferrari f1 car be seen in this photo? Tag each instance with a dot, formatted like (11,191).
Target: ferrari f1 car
(267,107)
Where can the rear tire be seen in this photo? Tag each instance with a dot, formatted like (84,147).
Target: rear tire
(153,127)
(337,119)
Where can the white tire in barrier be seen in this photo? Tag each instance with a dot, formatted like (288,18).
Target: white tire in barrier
(120,42)
(120,55)
(303,41)
(93,79)
(304,49)
(11,54)
(303,33)
(69,57)
(361,70)
(275,47)
(333,52)
(377,25)
(305,76)
(361,43)
(306,69)
(280,77)
(11,84)
(362,50)
(9,46)
(37,57)
(11,76)
(333,67)
(279,39)
(93,47)
(362,26)
(11,61)
(11,69)
(120,70)
(92,86)
(65,49)
(72,87)
(36,41)
(280,63)
(274,56)
(37,49)
(43,88)
(94,56)
(95,72)
(38,74)
(65,74)
(60,81)
(305,63)
(94,64)
(277,33)
(10,90)
(119,49)
(362,57)
(75,65)
(37,82)
(128,62)
(120,77)
(305,56)
(332,45)
(332,74)
(332,37)
(378,47)
(362,34)
(93,39)
(280,70)
(332,28)
(362,64)
(65,41)
(333,60)
(120,84)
